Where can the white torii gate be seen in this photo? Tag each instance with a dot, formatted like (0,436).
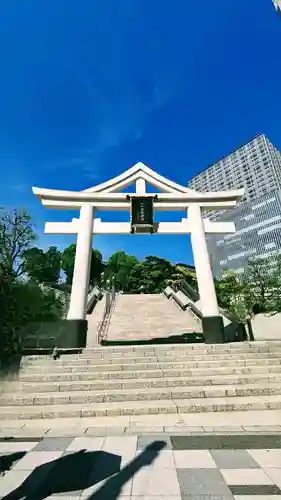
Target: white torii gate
(106,196)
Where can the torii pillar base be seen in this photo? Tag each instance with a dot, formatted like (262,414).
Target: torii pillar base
(213,329)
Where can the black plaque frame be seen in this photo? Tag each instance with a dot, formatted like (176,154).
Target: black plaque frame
(142,214)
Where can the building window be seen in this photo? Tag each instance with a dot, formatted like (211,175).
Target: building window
(268,246)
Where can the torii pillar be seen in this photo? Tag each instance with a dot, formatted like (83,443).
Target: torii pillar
(212,322)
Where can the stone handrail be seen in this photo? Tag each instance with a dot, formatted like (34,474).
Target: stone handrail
(185,299)
(93,297)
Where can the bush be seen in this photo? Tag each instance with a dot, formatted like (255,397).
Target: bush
(20,304)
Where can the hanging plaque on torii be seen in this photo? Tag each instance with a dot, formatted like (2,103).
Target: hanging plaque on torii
(142,214)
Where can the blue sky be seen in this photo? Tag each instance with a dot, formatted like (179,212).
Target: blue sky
(89,88)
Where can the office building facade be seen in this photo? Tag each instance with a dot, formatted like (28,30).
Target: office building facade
(256,167)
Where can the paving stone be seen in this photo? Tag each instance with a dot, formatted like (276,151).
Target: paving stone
(255,497)
(223,428)
(71,495)
(67,432)
(115,431)
(149,482)
(235,477)
(86,443)
(193,459)
(9,460)
(138,431)
(144,441)
(12,480)
(53,444)
(13,447)
(120,445)
(262,428)
(160,461)
(267,458)
(198,482)
(234,459)
(230,442)
(154,497)
(261,490)
(28,481)
(192,428)
(274,474)
(154,420)
(206,497)
(36,458)
(109,489)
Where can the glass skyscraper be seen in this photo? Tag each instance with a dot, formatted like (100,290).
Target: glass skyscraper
(256,167)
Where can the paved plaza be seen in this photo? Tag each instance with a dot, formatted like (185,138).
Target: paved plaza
(114,462)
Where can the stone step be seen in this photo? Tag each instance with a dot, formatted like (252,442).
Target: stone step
(143,374)
(131,366)
(166,350)
(174,351)
(137,383)
(141,408)
(154,359)
(147,394)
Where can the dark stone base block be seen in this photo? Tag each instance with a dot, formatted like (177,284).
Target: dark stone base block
(45,335)
(213,330)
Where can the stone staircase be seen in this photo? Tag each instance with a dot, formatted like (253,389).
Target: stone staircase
(179,378)
(148,317)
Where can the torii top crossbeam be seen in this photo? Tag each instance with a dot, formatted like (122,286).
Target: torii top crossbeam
(105,196)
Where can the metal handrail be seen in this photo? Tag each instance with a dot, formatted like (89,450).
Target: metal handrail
(107,314)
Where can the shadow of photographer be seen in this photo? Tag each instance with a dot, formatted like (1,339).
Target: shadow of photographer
(74,472)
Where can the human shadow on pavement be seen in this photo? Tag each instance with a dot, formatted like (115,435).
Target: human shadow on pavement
(113,486)
(74,472)
(69,473)
(8,460)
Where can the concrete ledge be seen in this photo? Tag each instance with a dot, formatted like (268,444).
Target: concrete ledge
(45,335)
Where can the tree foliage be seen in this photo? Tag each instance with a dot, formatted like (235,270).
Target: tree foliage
(255,291)
(150,275)
(259,281)
(16,235)
(68,261)
(21,301)
(42,267)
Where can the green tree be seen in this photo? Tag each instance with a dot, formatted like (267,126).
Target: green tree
(97,267)
(120,265)
(232,296)
(43,267)
(16,236)
(259,283)
(183,272)
(151,275)
(68,260)
(228,287)
(20,301)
